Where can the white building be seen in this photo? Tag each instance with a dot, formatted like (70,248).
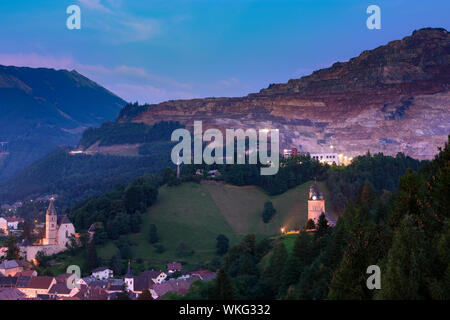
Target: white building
(13,222)
(329,158)
(102,273)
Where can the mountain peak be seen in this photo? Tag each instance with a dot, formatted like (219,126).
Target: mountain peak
(423,56)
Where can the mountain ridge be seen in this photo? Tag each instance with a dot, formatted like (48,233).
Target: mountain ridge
(394,98)
(44,108)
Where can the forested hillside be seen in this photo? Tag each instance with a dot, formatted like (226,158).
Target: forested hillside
(405,233)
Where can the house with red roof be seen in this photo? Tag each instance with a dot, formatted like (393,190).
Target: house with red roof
(39,285)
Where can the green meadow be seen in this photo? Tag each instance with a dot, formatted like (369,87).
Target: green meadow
(196,214)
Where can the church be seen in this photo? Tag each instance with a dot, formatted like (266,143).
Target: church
(316,206)
(58,231)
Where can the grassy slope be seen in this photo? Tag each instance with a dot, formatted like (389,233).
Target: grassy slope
(196,214)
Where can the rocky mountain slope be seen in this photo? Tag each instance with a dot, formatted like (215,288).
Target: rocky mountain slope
(41,109)
(395,98)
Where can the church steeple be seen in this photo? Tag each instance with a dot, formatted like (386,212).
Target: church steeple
(51,224)
(129,279)
(129,274)
(51,207)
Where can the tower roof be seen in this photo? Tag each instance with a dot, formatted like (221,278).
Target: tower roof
(51,208)
(314,192)
(129,274)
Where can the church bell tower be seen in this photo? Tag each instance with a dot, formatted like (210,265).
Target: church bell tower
(51,221)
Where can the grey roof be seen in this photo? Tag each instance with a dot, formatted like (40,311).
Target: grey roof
(59,288)
(23,281)
(92,228)
(99,283)
(11,294)
(151,273)
(64,220)
(8,282)
(9,264)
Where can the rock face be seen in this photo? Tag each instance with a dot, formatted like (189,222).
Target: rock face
(395,98)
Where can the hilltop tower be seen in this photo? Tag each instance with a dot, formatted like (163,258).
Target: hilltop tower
(51,225)
(316,203)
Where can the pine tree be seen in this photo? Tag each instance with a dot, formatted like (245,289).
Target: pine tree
(91,257)
(406,264)
(268,212)
(277,263)
(322,225)
(13,251)
(310,225)
(223,287)
(153,234)
(298,260)
(367,194)
(116,263)
(222,244)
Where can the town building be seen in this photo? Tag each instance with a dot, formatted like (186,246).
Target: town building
(290,152)
(13,222)
(39,285)
(10,268)
(174,267)
(329,158)
(102,273)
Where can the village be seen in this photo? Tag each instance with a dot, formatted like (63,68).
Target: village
(19,281)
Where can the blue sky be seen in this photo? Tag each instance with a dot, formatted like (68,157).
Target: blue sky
(152,51)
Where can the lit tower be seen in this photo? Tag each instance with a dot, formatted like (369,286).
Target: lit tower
(51,221)
(316,203)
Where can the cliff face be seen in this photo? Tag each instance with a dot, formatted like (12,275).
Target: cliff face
(395,98)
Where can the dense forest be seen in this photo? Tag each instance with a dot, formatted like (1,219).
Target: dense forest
(406,233)
(76,177)
(116,133)
(118,211)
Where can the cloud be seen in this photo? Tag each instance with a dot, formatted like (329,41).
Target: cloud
(116,24)
(94,5)
(144,93)
(231,82)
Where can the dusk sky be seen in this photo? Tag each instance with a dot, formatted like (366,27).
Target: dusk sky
(151,51)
